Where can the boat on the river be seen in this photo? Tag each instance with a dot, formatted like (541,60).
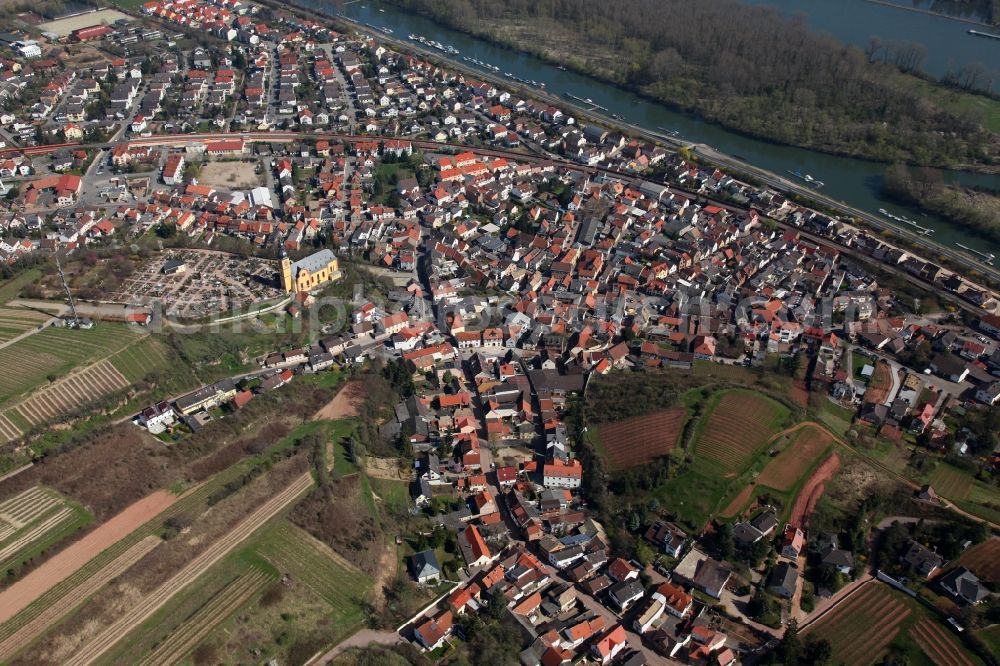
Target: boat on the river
(989,35)
(807,178)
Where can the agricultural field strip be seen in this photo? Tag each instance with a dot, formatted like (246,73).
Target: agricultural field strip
(734,429)
(856,601)
(185,637)
(951,483)
(292,550)
(782,471)
(215,552)
(35,532)
(876,636)
(935,645)
(983,560)
(151,527)
(62,606)
(74,390)
(851,623)
(8,429)
(641,438)
(28,361)
(27,505)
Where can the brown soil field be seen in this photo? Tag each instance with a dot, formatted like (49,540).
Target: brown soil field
(880,384)
(938,645)
(862,626)
(983,560)
(386,468)
(345,404)
(22,593)
(638,440)
(787,467)
(805,503)
(738,502)
(123,595)
(229,176)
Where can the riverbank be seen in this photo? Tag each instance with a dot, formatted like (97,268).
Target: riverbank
(978,210)
(801,118)
(931,12)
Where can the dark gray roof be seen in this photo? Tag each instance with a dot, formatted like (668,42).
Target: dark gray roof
(783,577)
(424,563)
(964,584)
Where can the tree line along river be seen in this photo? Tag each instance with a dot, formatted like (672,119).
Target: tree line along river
(852,181)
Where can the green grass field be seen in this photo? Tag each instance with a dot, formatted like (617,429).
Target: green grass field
(53,352)
(395,495)
(137,361)
(991,636)
(15,321)
(321,600)
(951,482)
(11,288)
(985,108)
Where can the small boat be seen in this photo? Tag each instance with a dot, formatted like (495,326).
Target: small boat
(589,101)
(381,11)
(561,67)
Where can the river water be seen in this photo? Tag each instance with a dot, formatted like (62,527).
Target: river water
(855,182)
(948,42)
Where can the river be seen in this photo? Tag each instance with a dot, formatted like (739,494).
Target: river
(948,42)
(855,182)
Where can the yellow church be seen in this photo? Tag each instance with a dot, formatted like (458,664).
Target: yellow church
(309,272)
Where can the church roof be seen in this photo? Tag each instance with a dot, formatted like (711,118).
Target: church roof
(314,262)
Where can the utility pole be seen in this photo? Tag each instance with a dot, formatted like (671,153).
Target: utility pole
(69,294)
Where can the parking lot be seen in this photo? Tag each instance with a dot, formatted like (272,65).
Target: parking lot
(210,283)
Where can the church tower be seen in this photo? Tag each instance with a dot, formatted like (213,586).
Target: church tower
(286,270)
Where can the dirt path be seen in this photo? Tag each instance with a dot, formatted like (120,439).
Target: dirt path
(19,595)
(152,602)
(345,404)
(363,638)
(813,490)
(62,606)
